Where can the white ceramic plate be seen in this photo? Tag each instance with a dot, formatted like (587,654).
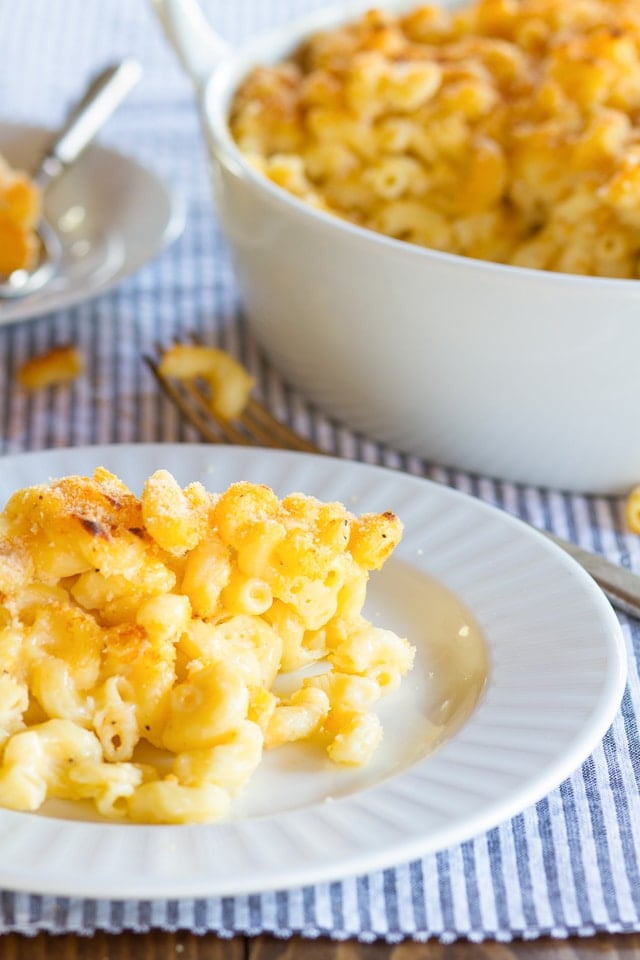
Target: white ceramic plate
(112,215)
(482,596)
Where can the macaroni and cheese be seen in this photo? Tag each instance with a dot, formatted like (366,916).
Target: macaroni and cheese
(166,622)
(19,214)
(59,365)
(632,510)
(504,130)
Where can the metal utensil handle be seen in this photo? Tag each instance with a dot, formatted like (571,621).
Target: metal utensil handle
(104,94)
(620,586)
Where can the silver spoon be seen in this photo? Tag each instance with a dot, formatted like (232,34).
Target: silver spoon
(104,94)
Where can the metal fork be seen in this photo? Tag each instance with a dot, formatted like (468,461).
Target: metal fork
(256,426)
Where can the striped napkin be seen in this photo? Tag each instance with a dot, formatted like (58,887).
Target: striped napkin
(566,866)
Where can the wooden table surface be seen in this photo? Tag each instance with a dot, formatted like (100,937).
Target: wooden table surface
(186,946)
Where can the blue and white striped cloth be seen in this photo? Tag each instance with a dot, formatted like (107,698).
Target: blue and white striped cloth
(570,864)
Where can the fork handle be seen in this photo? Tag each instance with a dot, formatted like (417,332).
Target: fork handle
(620,586)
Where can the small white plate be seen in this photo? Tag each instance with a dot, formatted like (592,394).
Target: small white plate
(112,215)
(519,673)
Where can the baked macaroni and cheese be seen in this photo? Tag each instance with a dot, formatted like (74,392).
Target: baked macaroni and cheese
(19,214)
(167,622)
(506,130)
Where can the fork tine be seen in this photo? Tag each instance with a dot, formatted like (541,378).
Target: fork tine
(193,415)
(227,430)
(260,418)
(260,423)
(255,426)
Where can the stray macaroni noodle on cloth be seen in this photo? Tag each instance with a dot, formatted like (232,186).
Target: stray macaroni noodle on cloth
(163,622)
(61,364)
(504,130)
(19,214)
(632,510)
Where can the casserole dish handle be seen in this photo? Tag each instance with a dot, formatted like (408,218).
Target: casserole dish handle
(198,47)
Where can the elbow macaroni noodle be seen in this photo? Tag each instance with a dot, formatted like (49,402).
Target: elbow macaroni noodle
(58,365)
(228,382)
(504,130)
(166,621)
(19,213)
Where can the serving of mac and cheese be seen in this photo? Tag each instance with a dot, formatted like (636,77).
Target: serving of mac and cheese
(167,623)
(505,130)
(19,214)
